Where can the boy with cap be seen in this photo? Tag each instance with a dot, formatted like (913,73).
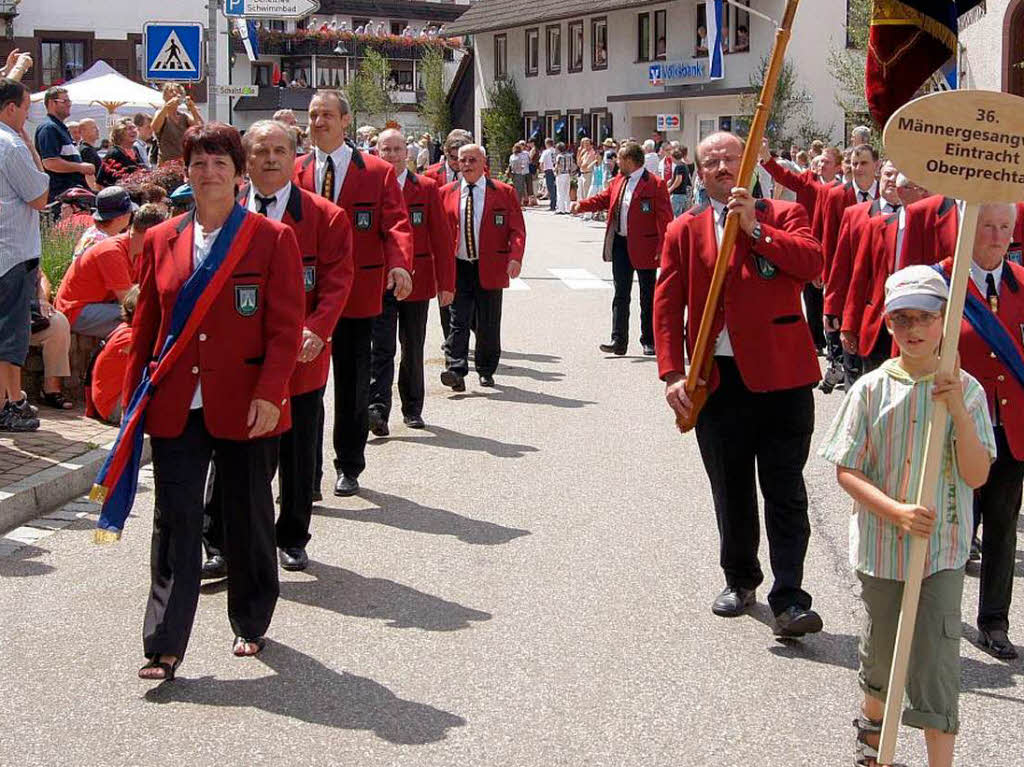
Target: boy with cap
(877,443)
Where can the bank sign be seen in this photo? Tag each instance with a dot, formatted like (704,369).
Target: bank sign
(678,72)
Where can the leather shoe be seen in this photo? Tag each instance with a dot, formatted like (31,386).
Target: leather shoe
(414,421)
(293,558)
(732,602)
(795,622)
(378,426)
(454,380)
(346,486)
(486,380)
(612,349)
(214,567)
(998,643)
(648,350)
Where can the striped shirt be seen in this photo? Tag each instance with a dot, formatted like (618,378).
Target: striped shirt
(880,431)
(20,182)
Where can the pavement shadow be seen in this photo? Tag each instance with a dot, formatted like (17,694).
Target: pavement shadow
(527,357)
(544,376)
(978,676)
(442,437)
(20,563)
(505,393)
(824,647)
(395,511)
(348,593)
(304,689)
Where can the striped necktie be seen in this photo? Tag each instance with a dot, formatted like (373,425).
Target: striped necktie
(327,187)
(467,224)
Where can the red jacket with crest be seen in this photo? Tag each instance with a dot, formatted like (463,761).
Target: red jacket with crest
(760,297)
(502,230)
(436,173)
(433,256)
(650,212)
(324,235)
(235,357)
(381,237)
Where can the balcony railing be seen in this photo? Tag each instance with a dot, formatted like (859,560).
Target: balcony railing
(272,98)
(307,42)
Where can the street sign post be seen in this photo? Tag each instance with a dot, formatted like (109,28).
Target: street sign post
(173,51)
(270,9)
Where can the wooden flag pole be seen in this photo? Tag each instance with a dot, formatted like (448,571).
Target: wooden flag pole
(700,360)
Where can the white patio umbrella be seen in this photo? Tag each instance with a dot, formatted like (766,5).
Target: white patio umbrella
(101,92)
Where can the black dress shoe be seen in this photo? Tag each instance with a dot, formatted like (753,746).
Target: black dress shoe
(998,643)
(414,421)
(293,558)
(732,602)
(346,486)
(612,349)
(648,350)
(486,380)
(214,567)
(378,426)
(795,622)
(454,380)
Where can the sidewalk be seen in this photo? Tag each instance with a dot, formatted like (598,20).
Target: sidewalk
(42,470)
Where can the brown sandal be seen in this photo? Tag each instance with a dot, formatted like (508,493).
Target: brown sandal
(56,399)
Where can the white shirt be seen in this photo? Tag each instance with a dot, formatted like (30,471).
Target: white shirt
(202,243)
(888,209)
(277,208)
(652,162)
(723,346)
(980,276)
(402,177)
(547,158)
(479,192)
(627,198)
(872,191)
(342,156)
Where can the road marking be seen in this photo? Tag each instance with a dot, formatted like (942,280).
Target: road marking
(518,284)
(580,279)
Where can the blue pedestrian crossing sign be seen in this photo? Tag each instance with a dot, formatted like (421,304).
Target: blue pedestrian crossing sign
(173,51)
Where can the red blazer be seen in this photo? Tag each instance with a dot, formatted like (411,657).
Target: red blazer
(433,256)
(932,228)
(833,204)
(761,296)
(817,222)
(854,223)
(1003,390)
(236,358)
(436,173)
(1018,231)
(502,230)
(650,212)
(806,185)
(381,236)
(325,242)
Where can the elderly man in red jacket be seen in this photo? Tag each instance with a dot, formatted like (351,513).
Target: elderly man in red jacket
(760,412)
(639,211)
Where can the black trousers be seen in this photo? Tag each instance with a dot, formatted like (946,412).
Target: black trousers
(471,300)
(881,351)
(409,318)
(180,466)
(997,506)
(351,356)
(446,321)
(622,273)
(737,431)
(298,467)
(549,182)
(814,300)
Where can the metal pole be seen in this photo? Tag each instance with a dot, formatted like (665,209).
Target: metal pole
(211,60)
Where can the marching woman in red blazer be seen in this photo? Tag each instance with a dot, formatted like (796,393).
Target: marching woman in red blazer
(760,412)
(433,275)
(639,211)
(364,187)
(325,242)
(489,239)
(227,395)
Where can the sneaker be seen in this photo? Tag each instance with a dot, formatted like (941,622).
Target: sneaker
(975,555)
(14,419)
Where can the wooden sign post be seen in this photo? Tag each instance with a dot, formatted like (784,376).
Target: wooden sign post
(968,145)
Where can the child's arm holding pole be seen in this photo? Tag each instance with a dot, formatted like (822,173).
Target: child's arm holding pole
(972,458)
(909,517)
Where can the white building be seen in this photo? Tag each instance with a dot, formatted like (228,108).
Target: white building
(992,55)
(589,62)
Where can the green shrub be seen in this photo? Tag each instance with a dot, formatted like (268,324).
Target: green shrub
(58,246)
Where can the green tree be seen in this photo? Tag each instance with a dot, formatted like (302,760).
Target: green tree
(502,121)
(368,92)
(791,117)
(433,107)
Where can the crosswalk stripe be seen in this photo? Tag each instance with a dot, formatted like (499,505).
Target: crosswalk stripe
(580,279)
(518,284)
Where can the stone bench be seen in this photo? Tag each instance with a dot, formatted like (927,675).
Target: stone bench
(82,349)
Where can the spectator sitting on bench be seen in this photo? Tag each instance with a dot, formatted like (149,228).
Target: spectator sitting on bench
(52,332)
(97,281)
(106,374)
(114,210)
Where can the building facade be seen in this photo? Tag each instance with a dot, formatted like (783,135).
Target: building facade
(992,49)
(588,64)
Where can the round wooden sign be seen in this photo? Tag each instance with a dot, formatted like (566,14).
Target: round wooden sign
(963,144)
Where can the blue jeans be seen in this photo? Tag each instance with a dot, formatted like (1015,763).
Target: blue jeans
(678,204)
(549,180)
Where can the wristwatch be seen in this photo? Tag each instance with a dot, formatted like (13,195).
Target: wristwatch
(755,233)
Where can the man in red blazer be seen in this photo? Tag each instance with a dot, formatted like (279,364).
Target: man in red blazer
(760,412)
(325,242)
(933,225)
(997,284)
(364,187)
(639,211)
(226,396)
(433,275)
(489,238)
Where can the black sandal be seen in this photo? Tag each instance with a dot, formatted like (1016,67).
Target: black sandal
(56,399)
(865,754)
(260,642)
(167,668)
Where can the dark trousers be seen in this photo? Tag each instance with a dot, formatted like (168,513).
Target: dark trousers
(180,466)
(409,318)
(814,300)
(997,506)
(351,356)
(622,273)
(298,469)
(737,431)
(446,321)
(549,181)
(473,300)
(881,351)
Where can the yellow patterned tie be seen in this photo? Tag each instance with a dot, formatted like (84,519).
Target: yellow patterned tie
(327,187)
(468,224)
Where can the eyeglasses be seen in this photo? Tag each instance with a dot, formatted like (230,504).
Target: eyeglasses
(62,101)
(712,164)
(907,321)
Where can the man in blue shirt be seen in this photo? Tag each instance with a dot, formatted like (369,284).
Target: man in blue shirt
(61,160)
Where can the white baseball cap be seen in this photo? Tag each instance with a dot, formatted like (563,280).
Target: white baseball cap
(916,287)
